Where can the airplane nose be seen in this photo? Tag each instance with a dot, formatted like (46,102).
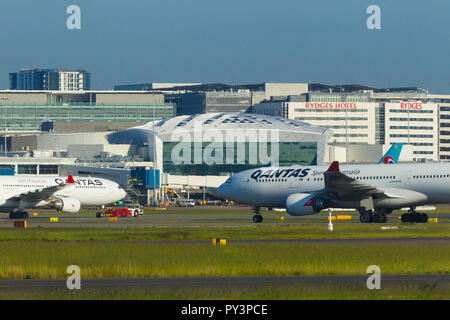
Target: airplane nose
(222,191)
(123,194)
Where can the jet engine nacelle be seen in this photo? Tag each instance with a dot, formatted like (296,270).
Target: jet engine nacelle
(302,204)
(70,205)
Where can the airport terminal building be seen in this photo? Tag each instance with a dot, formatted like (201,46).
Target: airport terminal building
(220,144)
(27,110)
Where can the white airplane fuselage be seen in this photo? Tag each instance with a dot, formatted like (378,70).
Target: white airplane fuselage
(88,191)
(271,186)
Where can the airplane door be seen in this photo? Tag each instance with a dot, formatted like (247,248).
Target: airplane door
(407,177)
(293,182)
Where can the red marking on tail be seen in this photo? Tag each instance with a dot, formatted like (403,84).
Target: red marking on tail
(309,203)
(334,167)
(70,179)
(388,159)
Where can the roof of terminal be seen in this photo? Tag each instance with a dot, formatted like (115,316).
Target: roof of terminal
(230,120)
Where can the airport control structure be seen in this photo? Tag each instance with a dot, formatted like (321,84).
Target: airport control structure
(166,141)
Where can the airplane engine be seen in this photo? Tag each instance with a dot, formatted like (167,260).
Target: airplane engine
(70,205)
(302,204)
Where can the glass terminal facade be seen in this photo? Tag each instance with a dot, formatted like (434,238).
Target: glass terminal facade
(290,153)
(30,117)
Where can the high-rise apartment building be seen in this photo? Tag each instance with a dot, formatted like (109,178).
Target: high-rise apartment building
(49,79)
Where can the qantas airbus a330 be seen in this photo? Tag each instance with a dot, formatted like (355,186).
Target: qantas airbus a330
(373,189)
(18,193)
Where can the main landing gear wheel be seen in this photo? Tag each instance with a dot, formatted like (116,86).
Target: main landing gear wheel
(379,217)
(365,217)
(257,218)
(414,217)
(18,215)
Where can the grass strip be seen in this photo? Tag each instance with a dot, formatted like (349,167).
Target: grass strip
(49,260)
(281,231)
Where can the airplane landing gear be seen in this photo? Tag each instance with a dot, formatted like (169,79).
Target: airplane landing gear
(413,216)
(377,216)
(257,218)
(19,214)
(365,216)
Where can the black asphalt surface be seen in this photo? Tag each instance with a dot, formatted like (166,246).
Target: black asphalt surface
(227,282)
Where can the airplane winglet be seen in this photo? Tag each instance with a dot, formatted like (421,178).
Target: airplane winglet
(334,167)
(70,179)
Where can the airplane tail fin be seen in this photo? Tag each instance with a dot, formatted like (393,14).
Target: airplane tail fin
(392,155)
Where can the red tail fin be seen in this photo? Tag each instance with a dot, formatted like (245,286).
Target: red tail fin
(334,167)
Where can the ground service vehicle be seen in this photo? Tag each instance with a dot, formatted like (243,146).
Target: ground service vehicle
(127,210)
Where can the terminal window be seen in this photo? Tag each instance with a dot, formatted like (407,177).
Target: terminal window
(290,153)
(48,169)
(27,169)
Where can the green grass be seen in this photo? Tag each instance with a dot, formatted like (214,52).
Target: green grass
(281,231)
(49,260)
(403,292)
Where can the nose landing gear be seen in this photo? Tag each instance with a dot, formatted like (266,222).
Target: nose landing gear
(257,218)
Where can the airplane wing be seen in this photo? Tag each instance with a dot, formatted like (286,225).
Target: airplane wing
(347,188)
(44,193)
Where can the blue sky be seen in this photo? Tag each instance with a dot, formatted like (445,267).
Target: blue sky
(234,41)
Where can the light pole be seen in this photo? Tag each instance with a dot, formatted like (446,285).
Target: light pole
(154,158)
(4,146)
(346,135)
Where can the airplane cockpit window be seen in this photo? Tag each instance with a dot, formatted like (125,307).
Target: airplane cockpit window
(228,180)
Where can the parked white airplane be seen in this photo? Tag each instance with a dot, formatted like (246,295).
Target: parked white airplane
(18,193)
(375,190)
